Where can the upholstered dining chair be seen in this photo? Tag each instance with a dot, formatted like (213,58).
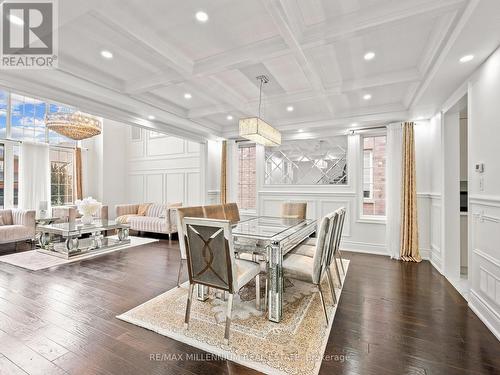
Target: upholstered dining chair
(294,210)
(308,249)
(338,237)
(311,269)
(232,212)
(211,262)
(182,212)
(214,211)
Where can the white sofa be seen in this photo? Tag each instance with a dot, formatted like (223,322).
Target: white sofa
(18,225)
(158,218)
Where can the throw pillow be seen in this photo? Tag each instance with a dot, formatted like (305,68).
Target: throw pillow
(1,221)
(143,208)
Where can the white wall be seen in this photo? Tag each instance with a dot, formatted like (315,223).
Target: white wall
(484,202)
(163,169)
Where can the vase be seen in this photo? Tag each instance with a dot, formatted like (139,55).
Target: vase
(87,219)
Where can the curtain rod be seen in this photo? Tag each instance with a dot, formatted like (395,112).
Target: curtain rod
(59,146)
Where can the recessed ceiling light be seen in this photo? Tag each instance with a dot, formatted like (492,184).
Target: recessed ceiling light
(151,117)
(300,130)
(420,118)
(466,58)
(354,124)
(367,96)
(187,96)
(369,56)
(16,20)
(229,117)
(290,108)
(201,16)
(106,54)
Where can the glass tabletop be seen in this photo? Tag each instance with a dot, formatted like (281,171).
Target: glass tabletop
(267,227)
(79,227)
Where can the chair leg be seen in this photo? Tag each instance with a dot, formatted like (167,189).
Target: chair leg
(341,262)
(257,291)
(188,305)
(169,237)
(337,269)
(265,295)
(332,287)
(179,273)
(323,303)
(229,314)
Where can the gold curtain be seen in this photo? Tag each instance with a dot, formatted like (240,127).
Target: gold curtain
(223,174)
(78,173)
(409,222)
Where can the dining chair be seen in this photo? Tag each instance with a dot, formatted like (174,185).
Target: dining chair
(211,262)
(232,212)
(308,249)
(214,211)
(294,210)
(311,269)
(182,212)
(338,236)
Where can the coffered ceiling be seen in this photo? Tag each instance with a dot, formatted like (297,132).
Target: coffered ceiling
(312,50)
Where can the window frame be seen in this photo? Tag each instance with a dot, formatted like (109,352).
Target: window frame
(73,174)
(362,217)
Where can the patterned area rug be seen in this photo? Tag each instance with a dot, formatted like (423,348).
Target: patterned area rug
(34,261)
(294,346)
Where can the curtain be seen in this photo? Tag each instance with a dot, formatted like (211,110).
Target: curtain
(34,175)
(394,162)
(409,223)
(78,173)
(223,174)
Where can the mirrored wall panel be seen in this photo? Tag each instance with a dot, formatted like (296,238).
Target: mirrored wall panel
(307,162)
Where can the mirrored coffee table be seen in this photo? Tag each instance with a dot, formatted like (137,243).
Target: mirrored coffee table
(80,239)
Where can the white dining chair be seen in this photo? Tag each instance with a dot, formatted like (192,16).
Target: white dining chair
(211,262)
(311,269)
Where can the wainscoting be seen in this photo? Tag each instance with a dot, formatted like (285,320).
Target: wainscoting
(484,269)
(164,169)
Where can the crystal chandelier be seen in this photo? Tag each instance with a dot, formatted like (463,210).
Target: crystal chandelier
(256,129)
(75,125)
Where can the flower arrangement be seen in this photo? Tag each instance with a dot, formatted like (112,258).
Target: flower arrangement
(88,208)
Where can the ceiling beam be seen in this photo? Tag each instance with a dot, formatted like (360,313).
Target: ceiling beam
(404,76)
(277,12)
(443,53)
(345,26)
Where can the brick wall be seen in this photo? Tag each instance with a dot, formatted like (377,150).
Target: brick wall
(377,145)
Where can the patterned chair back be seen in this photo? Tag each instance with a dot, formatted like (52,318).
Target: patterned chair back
(293,210)
(210,253)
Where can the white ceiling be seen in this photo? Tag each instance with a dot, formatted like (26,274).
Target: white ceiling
(312,50)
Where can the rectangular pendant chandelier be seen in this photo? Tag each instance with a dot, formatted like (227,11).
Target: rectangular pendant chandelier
(259,131)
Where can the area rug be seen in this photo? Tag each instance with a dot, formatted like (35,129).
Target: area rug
(34,261)
(294,346)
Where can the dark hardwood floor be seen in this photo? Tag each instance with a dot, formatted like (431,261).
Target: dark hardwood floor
(393,318)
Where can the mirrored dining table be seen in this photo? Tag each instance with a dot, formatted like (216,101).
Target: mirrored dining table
(269,238)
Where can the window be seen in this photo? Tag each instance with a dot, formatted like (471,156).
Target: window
(28,119)
(246,180)
(61,176)
(4,97)
(16,175)
(374,175)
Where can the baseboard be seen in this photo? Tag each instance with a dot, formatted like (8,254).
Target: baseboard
(425,254)
(484,312)
(364,247)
